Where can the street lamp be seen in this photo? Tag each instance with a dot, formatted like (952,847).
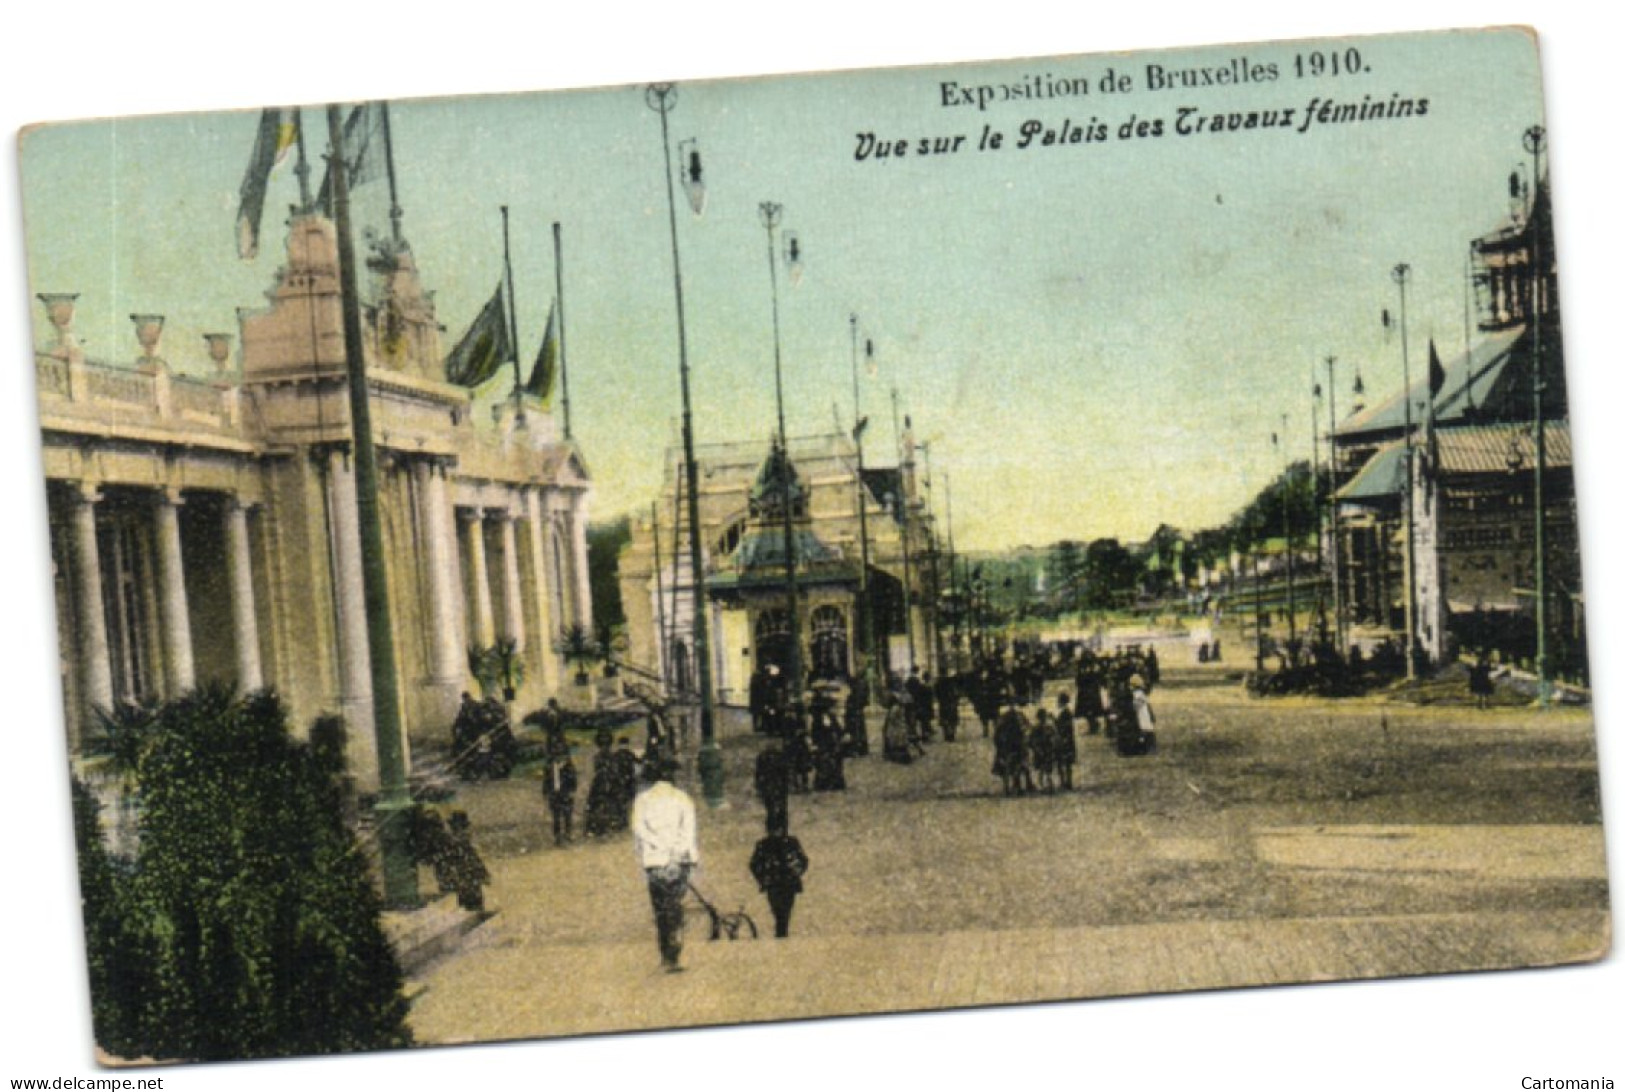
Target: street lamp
(1534,142)
(662,98)
(866,627)
(1402,276)
(772,214)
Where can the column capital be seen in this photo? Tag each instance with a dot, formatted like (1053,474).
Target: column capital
(169,496)
(469,515)
(85,491)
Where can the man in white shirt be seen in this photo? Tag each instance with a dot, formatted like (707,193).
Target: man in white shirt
(666,839)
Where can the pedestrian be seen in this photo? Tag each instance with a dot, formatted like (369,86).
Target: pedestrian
(666,839)
(857,727)
(602,791)
(778,863)
(1041,745)
(624,766)
(459,867)
(1066,741)
(773,780)
(1009,751)
(948,705)
(1479,681)
(829,754)
(559,787)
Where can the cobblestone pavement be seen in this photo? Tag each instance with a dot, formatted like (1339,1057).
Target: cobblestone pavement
(1291,841)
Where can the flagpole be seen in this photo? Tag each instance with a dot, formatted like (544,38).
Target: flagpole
(302,167)
(866,632)
(1337,540)
(660,591)
(1402,276)
(661,98)
(394,194)
(394,801)
(513,314)
(564,367)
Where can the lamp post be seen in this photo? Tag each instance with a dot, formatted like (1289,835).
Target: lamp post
(662,98)
(1331,499)
(866,614)
(1402,276)
(1534,142)
(1286,536)
(772,214)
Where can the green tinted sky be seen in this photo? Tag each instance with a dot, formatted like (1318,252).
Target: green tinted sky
(1097,337)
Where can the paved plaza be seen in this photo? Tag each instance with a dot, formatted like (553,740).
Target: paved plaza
(1283,841)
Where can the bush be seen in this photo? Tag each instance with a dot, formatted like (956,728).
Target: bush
(254,923)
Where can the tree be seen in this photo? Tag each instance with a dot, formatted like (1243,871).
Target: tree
(1110,573)
(605,541)
(256,921)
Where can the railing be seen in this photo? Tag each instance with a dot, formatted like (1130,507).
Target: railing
(105,390)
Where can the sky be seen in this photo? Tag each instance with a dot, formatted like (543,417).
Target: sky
(1487,1031)
(1095,338)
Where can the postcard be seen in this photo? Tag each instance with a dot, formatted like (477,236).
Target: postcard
(738,551)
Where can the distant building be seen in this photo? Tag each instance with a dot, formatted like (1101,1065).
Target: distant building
(205,529)
(742,543)
(1473,464)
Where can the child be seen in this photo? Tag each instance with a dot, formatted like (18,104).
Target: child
(778,864)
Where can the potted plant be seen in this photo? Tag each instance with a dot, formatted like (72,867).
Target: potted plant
(580,650)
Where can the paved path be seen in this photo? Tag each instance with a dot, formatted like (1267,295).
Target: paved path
(499,989)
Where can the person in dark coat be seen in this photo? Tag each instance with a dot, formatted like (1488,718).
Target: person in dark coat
(624,780)
(1041,747)
(458,866)
(602,792)
(948,706)
(857,725)
(1009,751)
(777,864)
(773,781)
(1090,706)
(919,692)
(559,787)
(829,753)
(1066,741)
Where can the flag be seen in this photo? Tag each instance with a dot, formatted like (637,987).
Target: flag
(1435,371)
(279,127)
(546,369)
(484,347)
(363,152)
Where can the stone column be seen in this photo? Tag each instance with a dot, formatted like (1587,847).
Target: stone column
(96,667)
(244,619)
(581,583)
(172,607)
(484,630)
(350,603)
(446,664)
(513,603)
(537,519)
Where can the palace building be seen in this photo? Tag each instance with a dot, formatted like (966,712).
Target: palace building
(743,488)
(1472,447)
(205,529)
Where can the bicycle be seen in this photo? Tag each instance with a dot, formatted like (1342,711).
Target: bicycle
(731,925)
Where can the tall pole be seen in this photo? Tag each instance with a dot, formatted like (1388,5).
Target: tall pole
(866,614)
(301,167)
(394,805)
(661,98)
(513,316)
(905,459)
(394,192)
(661,650)
(772,213)
(564,359)
(953,568)
(1337,541)
(1534,142)
(1286,533)
(1402,276)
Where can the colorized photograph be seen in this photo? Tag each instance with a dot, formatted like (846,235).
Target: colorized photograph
(856,543)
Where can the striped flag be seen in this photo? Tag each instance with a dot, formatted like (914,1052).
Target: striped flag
(279,127)
(546,369)
(485,346)
(363,152)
